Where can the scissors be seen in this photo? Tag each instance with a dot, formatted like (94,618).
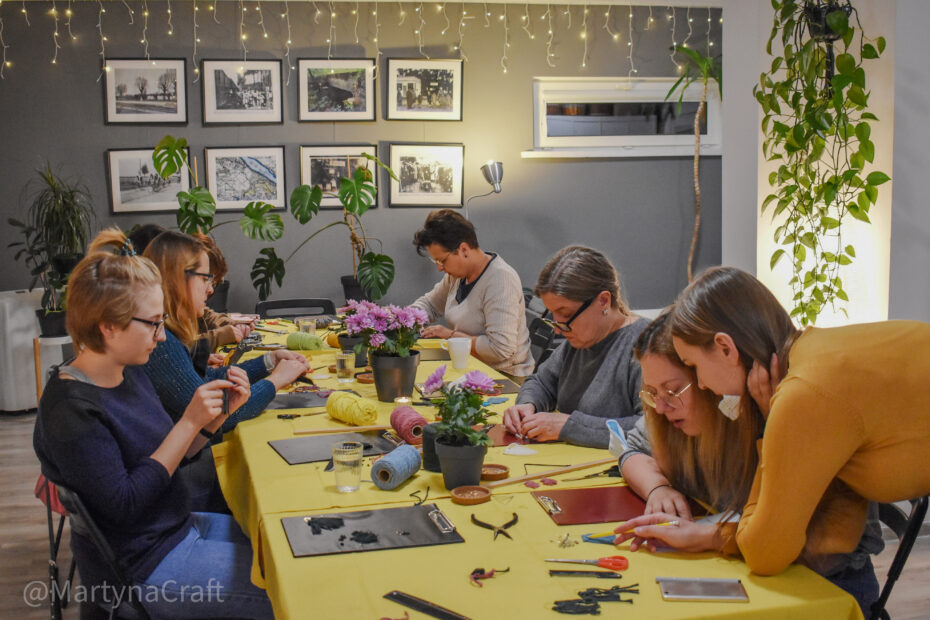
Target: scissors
(614,562)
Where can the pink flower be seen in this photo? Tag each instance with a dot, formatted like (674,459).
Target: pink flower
(434,381)
(376,340)
(477,381)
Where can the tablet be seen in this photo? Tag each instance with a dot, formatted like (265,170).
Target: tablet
(702,589)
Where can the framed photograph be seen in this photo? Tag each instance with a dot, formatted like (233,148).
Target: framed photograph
(340,89)
(430,175)
(145,91)
(325,165)
(424,89)
(240,92)
(135,187)
(238,176)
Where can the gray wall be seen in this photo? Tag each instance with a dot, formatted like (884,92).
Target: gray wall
(637,210)
(910,219)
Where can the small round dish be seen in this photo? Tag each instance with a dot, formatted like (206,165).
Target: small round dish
(470,495)
(493,471)
(365,377)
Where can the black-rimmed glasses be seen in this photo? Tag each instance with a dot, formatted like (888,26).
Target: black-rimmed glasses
(207,277)
(567,325)
(157,325)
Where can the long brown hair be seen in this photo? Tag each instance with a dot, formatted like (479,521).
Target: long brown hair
(175,254)
(103,287)
(719,464)
(579,273)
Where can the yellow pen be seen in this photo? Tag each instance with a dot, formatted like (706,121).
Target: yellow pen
(630,531)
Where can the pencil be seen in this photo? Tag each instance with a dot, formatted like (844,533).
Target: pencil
(630,531)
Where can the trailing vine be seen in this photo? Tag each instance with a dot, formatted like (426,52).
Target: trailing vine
(817,126)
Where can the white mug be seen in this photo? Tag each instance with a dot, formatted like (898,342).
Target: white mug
(459,349)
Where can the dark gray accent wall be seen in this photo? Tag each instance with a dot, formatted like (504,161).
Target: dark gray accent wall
(638,210)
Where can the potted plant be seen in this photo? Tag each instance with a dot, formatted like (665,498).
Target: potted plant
(55,232)
(356,342)
(459,445)
(389,333)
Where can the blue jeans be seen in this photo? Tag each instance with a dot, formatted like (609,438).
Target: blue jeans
(207,575)
(861,583)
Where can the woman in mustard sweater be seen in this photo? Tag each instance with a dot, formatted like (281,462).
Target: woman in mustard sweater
(848,418)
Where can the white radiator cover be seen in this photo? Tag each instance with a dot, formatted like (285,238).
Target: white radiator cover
(18,327)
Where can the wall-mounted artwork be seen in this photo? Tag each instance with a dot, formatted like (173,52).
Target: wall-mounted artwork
(325,165)
(424,89)
(135,187)
(430,175)
(143,91)
(337,89)
(238,176)
(240,92)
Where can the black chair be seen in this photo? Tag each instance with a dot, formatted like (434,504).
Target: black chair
(59,593)
(542,341)
(295,307)
(82,523)
(906,527)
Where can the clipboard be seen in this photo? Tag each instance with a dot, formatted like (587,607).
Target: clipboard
(392,528)
(596,505)
(299,450)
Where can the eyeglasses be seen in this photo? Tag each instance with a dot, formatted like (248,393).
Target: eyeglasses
(567,325)
(440,262)
(158,325)
(670,398)
(207,277)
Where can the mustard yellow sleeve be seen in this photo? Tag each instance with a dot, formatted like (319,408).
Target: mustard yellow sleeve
(808,438)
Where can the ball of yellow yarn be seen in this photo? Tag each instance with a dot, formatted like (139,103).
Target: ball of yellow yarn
(351,409)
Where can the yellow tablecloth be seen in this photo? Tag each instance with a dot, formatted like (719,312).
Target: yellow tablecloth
(261,489)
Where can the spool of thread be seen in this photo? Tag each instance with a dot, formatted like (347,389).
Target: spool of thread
(394,469)
(409,424)
(430,459)
(351,409)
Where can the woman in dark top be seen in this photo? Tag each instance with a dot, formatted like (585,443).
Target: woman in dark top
(102,432)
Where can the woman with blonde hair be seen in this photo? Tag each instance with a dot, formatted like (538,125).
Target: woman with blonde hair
(592,377)
(102,432)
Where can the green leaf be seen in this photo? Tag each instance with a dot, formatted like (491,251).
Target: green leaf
(838,22)
(800,253)
(268,268)
(197,209)
(258,223)
(850,250)
(858,213)
(776,256)
(768,200)
(863,131)
(809,240)
(841,294)
(845,64)
(868,51)
(357,194)
(857,95)
(868,115)
(169,156)
(858,77)
(844,260)
(872,192)
(381,165)
(863,201)
(829,223)
(857,161)
(867,148)
(375,274)
(305,202)
(880,42)
(877,178)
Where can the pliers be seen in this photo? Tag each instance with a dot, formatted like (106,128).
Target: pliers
(497,529)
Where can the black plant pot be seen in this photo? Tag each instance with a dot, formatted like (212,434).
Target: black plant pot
(430,460)
(219,300)
(51,324)
(347,342)
(394,376)
(461,465)
(816,11)
(352,289)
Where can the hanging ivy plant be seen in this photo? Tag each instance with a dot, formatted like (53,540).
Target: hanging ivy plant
(817,127)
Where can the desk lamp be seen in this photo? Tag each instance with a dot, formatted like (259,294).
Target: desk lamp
(493,172)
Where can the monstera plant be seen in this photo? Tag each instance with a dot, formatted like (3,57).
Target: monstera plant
(197,208)
(817,129)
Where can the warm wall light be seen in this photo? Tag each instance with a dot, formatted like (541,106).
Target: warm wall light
(493,172)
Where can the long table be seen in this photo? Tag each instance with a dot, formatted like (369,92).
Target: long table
(261,489)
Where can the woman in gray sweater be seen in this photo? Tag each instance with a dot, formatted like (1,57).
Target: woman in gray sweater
(480,297)
(592,376)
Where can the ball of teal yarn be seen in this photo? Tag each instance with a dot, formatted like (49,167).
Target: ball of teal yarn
(301,341)
(393,470)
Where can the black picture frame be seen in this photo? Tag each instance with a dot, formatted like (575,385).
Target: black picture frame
(347,86)
(126,101)
(309,172)
(222,162)
(136,187)
(241,92)
(424,90)
(429,175)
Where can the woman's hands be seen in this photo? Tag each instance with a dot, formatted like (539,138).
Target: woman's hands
(543,426)
(207,404)
(436,331)
(288,365)
(241,330)
(667,500)
(762,382)
(686,536)
(514,415)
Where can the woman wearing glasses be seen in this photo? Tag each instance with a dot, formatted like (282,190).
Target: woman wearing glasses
(592,376)
(102,432)
(480,297)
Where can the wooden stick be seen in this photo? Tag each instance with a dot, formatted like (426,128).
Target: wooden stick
(350,429)
(550,472)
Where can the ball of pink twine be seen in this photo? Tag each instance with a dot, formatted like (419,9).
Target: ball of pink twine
(408,424)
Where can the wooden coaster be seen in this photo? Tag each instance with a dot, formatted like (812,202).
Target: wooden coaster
(365,377)
(470,495)
(493,471)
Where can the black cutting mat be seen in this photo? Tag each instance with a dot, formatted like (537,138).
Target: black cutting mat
(303,400)
(317,448)
(395,528)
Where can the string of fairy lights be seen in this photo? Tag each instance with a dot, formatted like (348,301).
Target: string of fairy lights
(621,32)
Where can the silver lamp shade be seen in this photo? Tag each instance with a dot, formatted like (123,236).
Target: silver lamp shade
(493,173)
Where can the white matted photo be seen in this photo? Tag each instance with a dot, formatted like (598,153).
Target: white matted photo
(135,187)
(338,89)
(238,176)
(424,89)
(326,165)
(430,175)
(239,92)
(145,91)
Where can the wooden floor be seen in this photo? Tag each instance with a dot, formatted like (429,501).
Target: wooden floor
(24,538)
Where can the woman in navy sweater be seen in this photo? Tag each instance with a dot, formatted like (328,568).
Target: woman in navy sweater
(102,432)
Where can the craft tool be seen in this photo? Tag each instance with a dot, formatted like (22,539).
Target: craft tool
(226,394)
(630,531)
(612,472)
(306,380)
(271,331)
(550,472)
(614,562)
(497,529)
(423,606)
(599,574)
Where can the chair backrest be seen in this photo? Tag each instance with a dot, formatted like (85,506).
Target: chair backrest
(295,307)
(906,527)
(542,341)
